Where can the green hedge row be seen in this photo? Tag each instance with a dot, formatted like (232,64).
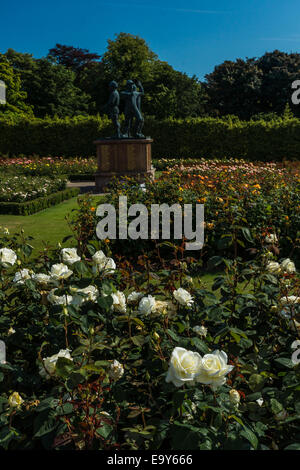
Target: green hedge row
(197,137)
(36,205)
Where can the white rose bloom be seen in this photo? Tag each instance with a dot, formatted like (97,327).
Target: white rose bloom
(146,305)
(287,311)
(90,295)
(7,257)
(183,297)
(101,263)
(200,330)
(134,297)
(292,299)
(288,266)
(59,299)
(116,370)
(50,362)
(273,267)
(99,257)
(213,370)
(15,400)
(69,255)
(22,276)
(119,302)
(234,397)
(184,366)
(260,401)
(41,278)
(272,238)
(60,271)
(110,265)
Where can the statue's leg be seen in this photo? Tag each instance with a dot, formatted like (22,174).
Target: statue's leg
(117,125)
(139,125)
(127,125)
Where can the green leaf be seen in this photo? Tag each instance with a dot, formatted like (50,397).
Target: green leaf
(276,407)
(294,446)
(64,367)
(256,382)
(247,234)
(250,436)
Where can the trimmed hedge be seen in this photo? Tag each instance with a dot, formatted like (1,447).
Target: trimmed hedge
(197,137)
(36,205)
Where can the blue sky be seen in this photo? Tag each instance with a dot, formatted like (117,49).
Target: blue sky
(193,36)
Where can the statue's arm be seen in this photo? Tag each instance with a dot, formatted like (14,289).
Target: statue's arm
(140,87)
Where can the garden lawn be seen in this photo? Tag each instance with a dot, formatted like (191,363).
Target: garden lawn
(46,227)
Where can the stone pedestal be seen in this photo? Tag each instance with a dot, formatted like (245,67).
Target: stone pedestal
(123,157)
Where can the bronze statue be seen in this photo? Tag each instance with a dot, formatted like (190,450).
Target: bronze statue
(112,107)
(133,109)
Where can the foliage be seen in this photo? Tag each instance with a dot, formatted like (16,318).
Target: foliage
(48,166)
(193,137)
(238,196)
(71,57)
(107,387)
(22,188)
(252,86)
(15,97)
(38,204)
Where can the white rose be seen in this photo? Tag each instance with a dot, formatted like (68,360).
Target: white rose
(288,266)
(41,278)
(260,401)
(134,297)
(15,400)
(200,330)
(7,257)
(292,299)
(59,299)
(99,257)
(90,295)
(183,297)
(69,255)
(273,267)
(101,263)
(119,302)
(116,370)
(234,397)
(50,362)
(60,271)
(146,305)
(213,369)
(21,276)
(184,366)
(272,238)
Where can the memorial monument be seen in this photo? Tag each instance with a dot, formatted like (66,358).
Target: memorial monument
(127,153)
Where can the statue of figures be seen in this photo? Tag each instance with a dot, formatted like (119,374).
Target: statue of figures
(112,107)
(133,109)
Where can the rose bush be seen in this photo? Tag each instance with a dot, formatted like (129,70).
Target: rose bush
(144,355)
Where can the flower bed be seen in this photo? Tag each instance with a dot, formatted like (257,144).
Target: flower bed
(48,166)
(23,188)
(243,202)
(103,355)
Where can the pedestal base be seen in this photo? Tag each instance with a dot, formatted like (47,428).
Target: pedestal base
(123,158)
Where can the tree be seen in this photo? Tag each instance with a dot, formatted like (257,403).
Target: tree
(73,58)
(15,97)
(52,91)
(279,70)
(128,57)
(173,93)
(235,88)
